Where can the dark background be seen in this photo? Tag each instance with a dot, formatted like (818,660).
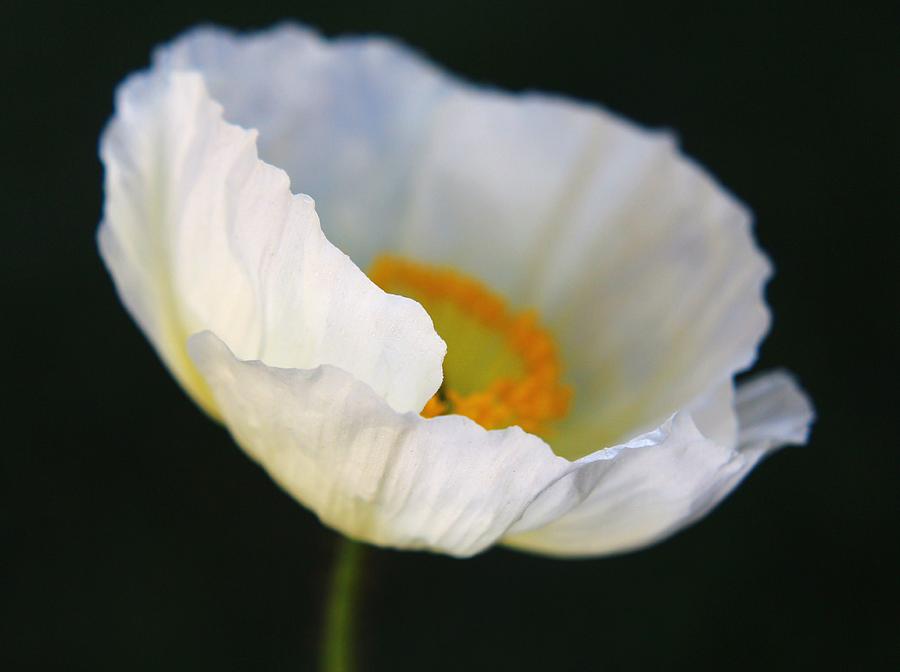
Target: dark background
(136,536)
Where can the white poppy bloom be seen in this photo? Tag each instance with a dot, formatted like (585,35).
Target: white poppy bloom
(597,292)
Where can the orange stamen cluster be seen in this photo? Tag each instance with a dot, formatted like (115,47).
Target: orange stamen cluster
(532,399)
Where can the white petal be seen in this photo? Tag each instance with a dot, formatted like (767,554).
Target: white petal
(643,267)
(772,411)
(438,169)
(715,416)
(346,118)
(394,479)
(638,261)
(656,291)
(665,480)
(198,234)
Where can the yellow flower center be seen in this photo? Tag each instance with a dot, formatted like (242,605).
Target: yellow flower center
(502,368)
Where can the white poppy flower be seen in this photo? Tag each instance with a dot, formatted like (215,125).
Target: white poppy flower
(594,286)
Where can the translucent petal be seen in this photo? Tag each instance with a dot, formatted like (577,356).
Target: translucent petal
(665,480)
(636,259)
(443,484)
(198,234)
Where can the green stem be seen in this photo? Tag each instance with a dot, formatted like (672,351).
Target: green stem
(339,631)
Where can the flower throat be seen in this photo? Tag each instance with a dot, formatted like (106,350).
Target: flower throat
(502,368)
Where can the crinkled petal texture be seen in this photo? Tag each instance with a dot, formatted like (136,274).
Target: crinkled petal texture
(388,478)
(641,265)
(666,479)
(200,234)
